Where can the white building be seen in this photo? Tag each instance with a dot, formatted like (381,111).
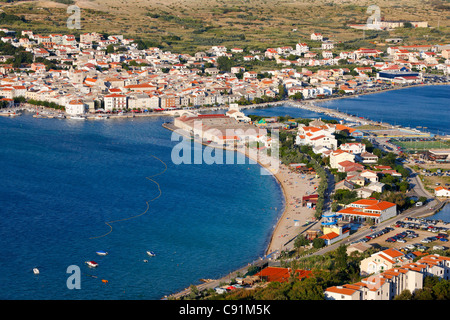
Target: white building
(301,48)
(317,137)
(364,209)
(339,156)
(316,36)
(353,147)
(115,101)
(327,45)
(442,192)
(75,107)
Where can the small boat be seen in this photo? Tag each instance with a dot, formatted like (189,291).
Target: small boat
(102,253)
(77,118)
(100,117)
(145,260)
(35,270)
(151,253)
(92,264)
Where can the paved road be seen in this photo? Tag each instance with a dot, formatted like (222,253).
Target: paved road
(411,212)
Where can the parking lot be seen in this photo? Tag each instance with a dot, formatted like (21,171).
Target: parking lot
(411,234)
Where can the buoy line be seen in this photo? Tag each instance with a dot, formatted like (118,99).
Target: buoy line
(147,202)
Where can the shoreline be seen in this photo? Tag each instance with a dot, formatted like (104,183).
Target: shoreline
(276,240)
(293,220)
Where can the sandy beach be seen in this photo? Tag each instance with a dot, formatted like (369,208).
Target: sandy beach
(294,217)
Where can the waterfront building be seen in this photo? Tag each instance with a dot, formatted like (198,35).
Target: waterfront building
(115,101)
(442,192)
(332,229)
(364,209)
(75,107)
(318,137)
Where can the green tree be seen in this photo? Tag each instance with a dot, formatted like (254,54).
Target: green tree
(282,91)
(404,295)
(341,258)
(441,290)
(318,243)
(300,241)
(307,289)
(422,294)
(110,49)
(224,64)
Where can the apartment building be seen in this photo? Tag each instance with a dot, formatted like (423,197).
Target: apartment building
(393,281)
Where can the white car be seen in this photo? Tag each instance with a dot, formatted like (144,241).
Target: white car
(425,241)
(410,247)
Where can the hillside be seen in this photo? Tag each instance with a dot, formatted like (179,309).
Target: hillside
(193,24)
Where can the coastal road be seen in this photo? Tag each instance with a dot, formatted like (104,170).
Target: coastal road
(415,212)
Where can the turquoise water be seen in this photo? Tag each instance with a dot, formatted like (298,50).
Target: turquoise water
(63,179)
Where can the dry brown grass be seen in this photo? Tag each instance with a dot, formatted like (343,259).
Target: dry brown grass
(262,23)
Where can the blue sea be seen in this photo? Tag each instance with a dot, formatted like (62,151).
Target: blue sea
(61,180)
(426,106)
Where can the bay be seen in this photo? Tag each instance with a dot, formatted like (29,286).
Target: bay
(61,180)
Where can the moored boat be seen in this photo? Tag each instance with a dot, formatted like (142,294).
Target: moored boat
(77,118)
(35,270)
(102,253)
(92,264)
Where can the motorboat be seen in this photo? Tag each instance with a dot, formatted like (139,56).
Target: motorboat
(77,118)
(102,253)
(151,253)
(100,117)
(92,264)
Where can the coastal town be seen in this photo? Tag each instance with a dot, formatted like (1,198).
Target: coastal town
(353,182)
(94,74)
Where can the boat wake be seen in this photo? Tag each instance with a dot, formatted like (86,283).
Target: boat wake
(108,223)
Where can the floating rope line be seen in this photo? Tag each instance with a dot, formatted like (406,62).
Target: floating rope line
(147,202)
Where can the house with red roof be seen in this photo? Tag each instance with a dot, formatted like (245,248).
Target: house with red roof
(388,283)
(278,274)
(349,166)
(442,192)
(383,260)
(364,209)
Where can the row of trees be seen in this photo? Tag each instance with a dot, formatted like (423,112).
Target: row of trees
(433,289)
